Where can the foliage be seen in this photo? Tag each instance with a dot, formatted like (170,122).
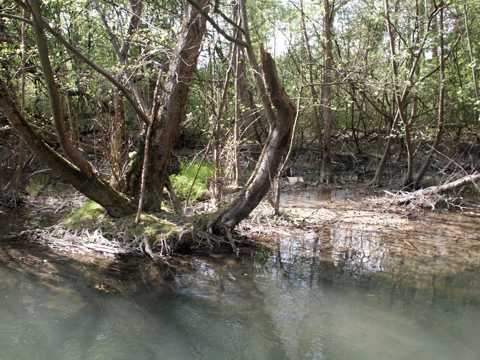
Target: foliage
(194,176)
(363,87)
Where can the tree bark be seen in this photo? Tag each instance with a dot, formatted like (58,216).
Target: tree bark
(172,112)
(115,203)
(55,97)
(272,154)
(118,151)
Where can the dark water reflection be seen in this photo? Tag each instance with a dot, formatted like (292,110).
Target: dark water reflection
(347,291)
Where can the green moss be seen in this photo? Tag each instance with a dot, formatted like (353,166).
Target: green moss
(85,216)
(37,184)
(188,176)
(151,225)
(91,216)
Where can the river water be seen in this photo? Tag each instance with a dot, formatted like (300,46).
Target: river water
(343,291)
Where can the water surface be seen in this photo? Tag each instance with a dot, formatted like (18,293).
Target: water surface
(343,291)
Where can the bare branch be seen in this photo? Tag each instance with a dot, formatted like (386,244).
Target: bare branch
(216,26)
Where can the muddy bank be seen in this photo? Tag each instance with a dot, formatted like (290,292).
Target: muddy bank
(342,229)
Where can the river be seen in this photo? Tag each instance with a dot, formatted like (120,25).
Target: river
(339,292)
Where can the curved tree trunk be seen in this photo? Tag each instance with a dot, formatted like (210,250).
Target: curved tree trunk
(93,187)
(272,154)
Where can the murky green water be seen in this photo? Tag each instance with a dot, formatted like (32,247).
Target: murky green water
(343,292)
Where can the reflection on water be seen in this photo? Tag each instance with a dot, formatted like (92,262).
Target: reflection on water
(346,291)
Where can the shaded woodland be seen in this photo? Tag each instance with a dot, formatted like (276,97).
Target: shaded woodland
(122,99)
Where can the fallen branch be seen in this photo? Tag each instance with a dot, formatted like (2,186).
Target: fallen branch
(431,195)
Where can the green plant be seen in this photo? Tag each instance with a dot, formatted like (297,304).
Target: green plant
(194,176)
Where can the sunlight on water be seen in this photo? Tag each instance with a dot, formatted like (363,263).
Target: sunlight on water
(346,291)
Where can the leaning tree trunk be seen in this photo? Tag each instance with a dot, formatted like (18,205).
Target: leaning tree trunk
(93,187)
(272,154)
(77,170)
(165,131)
(54,95)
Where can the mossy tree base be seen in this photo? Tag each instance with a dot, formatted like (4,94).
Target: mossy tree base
(156,235)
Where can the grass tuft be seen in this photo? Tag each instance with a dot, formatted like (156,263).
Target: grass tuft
(183,181)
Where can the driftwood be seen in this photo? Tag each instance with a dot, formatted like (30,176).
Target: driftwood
(432,195)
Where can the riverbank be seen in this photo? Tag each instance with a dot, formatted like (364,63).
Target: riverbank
(345,223)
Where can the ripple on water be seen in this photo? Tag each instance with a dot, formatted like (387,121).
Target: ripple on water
(347,290)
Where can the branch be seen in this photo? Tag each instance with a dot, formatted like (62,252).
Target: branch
(107,75)
(216,26)
(15,17)
(55,97)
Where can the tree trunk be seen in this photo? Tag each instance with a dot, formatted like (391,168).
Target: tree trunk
(115,203)
(118,150)
(326,98)
(272,154)
(172,113)
(54,95)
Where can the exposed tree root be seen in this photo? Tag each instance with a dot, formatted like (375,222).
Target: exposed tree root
(96,238)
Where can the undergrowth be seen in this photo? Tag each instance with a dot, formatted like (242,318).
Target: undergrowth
(197,173)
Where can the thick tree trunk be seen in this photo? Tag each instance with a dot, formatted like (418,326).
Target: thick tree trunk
(172,113)
(115,203)
(272,154)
